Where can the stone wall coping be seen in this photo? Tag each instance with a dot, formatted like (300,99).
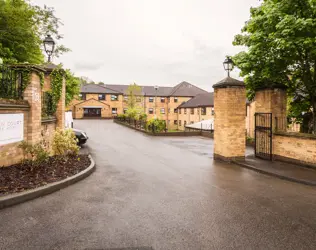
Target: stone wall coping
(49,120)
(13,106)
(13,199)
(295,134)
(31,66)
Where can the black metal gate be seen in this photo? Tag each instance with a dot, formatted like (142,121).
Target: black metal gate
(263,135)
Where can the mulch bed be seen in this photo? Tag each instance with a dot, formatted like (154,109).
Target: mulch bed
(24,176)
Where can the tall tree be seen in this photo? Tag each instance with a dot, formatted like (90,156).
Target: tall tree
(22,29)
(72,86)
(134,93)
(281,41)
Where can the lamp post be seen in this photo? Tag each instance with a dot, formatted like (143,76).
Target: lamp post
(49,46)
(228,64)
(156,90)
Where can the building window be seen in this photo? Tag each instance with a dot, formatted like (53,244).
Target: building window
(185,123)
(175,111)
(151,99)
(192,111)
(114,97)
(162,99)
(124,110)
(101,97)
(203,111)
(179,122)
(82,96)
(180,111)
(162,111)
(185,111)
(114,111)
(150,111)
(125,98)
(175,99)
(138,99)
(175,122)
(213,112)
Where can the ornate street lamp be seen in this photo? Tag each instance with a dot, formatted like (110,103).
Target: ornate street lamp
(49,46)
(228,64)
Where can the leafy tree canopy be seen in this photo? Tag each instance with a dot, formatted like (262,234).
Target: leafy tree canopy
(281,41)
(22,29)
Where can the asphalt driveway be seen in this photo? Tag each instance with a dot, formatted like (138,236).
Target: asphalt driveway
(165,194)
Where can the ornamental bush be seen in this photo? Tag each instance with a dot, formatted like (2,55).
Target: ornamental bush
(156,125)
(65,143)
(35,153)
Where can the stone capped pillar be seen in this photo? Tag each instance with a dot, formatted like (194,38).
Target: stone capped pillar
(33,94)
(230,120)
(273,100)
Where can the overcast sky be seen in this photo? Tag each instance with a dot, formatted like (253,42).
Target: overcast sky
(150,42)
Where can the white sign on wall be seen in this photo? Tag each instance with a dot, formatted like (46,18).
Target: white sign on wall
(11,128)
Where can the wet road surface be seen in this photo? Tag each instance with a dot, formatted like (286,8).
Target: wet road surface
(163,193)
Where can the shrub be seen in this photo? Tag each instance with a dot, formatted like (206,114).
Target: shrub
(156,125)
(36,153)
(143,116)
(65,143)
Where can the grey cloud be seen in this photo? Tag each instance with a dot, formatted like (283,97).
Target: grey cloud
(150,42)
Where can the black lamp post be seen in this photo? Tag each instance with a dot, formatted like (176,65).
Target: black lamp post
(156,88)
(228,64)
(49,46)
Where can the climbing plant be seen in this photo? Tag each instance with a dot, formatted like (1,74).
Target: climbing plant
(57,77)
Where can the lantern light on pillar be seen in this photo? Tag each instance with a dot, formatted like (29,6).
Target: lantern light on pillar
(49,46)
(228,64)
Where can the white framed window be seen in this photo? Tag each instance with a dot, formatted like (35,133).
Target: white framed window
(162,99)
(203,111)
(151,99)
(114,97)
(150,111)
(114,111)
(175,99)
(162,111)
(101,97)
(124,110)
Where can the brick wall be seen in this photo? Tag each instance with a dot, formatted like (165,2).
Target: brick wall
(10,153)
(188,117)
(295,148)
(35,129)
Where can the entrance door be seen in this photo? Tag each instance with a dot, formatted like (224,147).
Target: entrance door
(263,135)
(92,112)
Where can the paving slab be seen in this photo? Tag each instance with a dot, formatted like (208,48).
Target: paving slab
(283,170)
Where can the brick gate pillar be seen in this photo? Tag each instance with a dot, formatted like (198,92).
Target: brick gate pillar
(273,100)
(230,120)
(33,94)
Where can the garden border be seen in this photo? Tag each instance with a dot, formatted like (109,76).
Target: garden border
(190,133)
(17,198)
